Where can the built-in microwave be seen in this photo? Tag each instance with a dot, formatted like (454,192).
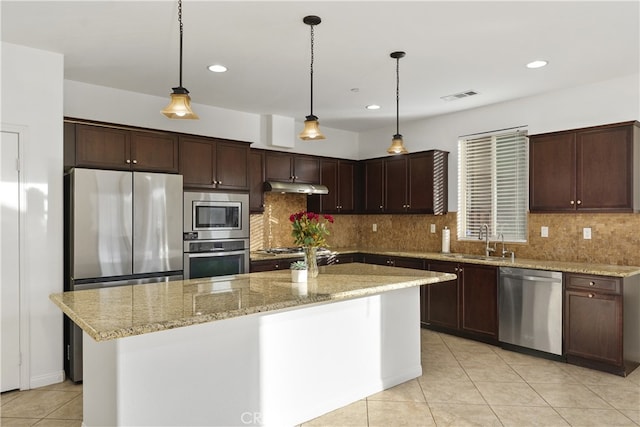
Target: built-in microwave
(215,215)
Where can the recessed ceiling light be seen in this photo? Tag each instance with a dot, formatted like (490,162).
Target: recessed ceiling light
(537,64)
(217,68)
(372,107)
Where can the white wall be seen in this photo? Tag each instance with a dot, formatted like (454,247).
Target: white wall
(86,101)
(32,98)
(610,101)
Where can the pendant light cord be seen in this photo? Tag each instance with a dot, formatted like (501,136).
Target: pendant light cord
(311,108)
(180,22)
(398,95)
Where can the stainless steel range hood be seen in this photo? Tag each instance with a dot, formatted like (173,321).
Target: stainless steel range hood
(294,187)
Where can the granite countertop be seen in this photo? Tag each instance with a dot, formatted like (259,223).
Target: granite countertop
(118,312)
(562,266)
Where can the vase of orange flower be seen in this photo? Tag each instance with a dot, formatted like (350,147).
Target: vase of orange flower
(310,231)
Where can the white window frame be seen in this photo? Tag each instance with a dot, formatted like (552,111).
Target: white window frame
(484,186)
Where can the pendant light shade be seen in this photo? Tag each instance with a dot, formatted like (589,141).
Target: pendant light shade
(397,145)
(311,131)
(180,105)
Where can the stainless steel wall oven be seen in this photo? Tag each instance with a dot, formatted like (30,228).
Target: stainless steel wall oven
(216,234)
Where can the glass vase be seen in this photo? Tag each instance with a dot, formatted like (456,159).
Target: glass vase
(310,257)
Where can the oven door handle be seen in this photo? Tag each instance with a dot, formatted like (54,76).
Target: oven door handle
(210,254)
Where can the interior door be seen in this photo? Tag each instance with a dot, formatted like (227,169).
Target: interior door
(9,262)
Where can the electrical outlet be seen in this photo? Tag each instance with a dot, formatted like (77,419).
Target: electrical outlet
(433,228)
(586,233)
(375,227)
(544,231)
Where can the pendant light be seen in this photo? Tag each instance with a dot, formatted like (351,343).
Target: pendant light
(311,131)
(397,146)
(180,105)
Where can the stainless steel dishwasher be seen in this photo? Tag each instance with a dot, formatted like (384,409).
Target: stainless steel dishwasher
(530,309)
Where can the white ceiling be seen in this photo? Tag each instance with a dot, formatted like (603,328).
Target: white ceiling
(451,46)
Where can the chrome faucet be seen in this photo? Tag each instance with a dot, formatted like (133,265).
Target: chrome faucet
(505,251)
(487,249)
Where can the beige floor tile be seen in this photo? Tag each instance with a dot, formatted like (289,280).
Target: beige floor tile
(436,358)
(437,372)
(460,415)
(58,423)
(409,391)
(545,373)
(498,372)
(633,415)
(67,385)
(428,336)
(569,396)
(476,358)
(8,395)
(528,416)
(620,397)
(37,403)
(634,376)
(451,392)
(69,411)
(594,417)
(18,422)
(354,414)
(387,414)
(515,358)
(514,394)
(591,376)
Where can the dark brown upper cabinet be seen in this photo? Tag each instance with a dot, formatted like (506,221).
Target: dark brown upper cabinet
(286,167)
(593,169)
(414,183)
(339,176)
(209,163)
(116,148)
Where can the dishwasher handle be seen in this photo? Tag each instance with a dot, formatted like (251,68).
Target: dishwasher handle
(533,278)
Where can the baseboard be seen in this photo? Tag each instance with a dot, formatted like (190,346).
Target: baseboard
(47,379)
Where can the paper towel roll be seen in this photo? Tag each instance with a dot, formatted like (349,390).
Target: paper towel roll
(446,240)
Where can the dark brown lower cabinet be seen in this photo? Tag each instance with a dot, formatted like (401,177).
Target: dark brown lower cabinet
(284,263)
(598,333)
(467,306)
(394,261)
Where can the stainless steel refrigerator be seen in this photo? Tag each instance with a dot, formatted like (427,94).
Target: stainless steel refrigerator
(121,228)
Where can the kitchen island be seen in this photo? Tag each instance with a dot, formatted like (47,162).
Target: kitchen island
(253,349)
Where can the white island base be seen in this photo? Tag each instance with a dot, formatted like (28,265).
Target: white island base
(278,368)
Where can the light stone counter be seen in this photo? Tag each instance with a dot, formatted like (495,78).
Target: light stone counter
(112,313)
(562,266)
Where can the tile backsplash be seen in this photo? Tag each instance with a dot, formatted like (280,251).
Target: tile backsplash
(615,238)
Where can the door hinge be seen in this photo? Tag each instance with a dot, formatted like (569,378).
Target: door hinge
(68,352)
(18,164)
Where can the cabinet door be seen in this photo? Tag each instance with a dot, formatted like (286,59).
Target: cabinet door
(415,263)
(196,162)
(374,186)
(605,169)
(479,301)
(442,298)
(154,152)
(376,259)
(593,326)
(306,169)
(101,147)
(552,172)
(329,178)
(256,181)
(395,185)
(278,167)
(420,190)
(346,186)
(231,166)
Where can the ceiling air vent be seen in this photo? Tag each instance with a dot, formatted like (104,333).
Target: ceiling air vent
(459,95)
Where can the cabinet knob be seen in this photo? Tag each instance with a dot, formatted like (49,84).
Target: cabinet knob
(590,295)
(380,206)
(128,161)
(337,261)
(591,283)
(572,203)
(219,182)
(277,265)
(135,162)
(579,202)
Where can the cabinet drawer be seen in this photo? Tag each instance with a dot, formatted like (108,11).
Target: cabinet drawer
(610,285)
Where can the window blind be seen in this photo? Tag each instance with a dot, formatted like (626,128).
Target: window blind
(493,186)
